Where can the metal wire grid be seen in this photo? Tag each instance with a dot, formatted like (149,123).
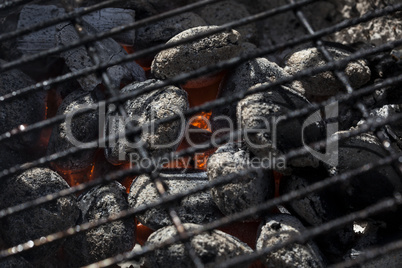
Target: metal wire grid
(118,98)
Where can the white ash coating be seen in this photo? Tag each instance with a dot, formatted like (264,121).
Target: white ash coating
(326,84)
(256,112)
(248,74)
(211,247)
(161,31)
(149,107)
(83,128)
(279,228)
(108,239)
(41,220)
(369,187)
(244,192)
(229,11)
(390,110)
(194,55)
(197,208)
(377,31)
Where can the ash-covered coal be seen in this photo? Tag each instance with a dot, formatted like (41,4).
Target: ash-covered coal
(75,131)
(240,79)
(108,239)
(211,248)
(197,208)
(194,55)
(144,109)
(39,221)
(245,191)
(279,228)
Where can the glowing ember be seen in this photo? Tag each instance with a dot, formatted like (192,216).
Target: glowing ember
(202,121)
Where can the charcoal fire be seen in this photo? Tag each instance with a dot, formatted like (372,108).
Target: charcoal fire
(230,111)
(199,208)
(210,248)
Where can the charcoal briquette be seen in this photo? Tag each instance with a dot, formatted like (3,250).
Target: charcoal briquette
(147,108)
(211,248)
(41,220)
(108,239)
(259,115)
(197,208)
(248,74)
(194,55)
(325,84)
(19,113)
(278,229)
(83,129)
(15,262)
(246,191)
(366,188)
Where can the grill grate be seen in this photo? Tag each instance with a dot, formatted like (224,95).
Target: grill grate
(116,98)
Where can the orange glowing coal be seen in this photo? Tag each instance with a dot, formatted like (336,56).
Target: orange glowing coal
(201,121)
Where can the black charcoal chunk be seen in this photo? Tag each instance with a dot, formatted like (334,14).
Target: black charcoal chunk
(194,55)
(247,190)
(41,40)
(197,208)
(318,208)
(41,220)
(387,111)
(108,50)
(75,131)
(325,84)
(108,18)
(108,239)
(147,108)
(253,72)
(211,248)
(19,113)
(279,228)
(267,133)
(161,31)
(366,188)
(229,11)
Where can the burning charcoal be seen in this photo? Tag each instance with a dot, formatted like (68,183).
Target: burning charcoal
(369,187)
(279,228)
(19,113)
(161,31)
(228,11)
(390,110)
(108,50)
(248,74)
(40,220)
(318,208)
(108,18)
(76,132)
(198,208)
(260,117)
(108,239)
(326,84)
(211,248)
(192,56)
(246,191)
(147,108)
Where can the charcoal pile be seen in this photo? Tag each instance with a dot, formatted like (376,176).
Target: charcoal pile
(224,133)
